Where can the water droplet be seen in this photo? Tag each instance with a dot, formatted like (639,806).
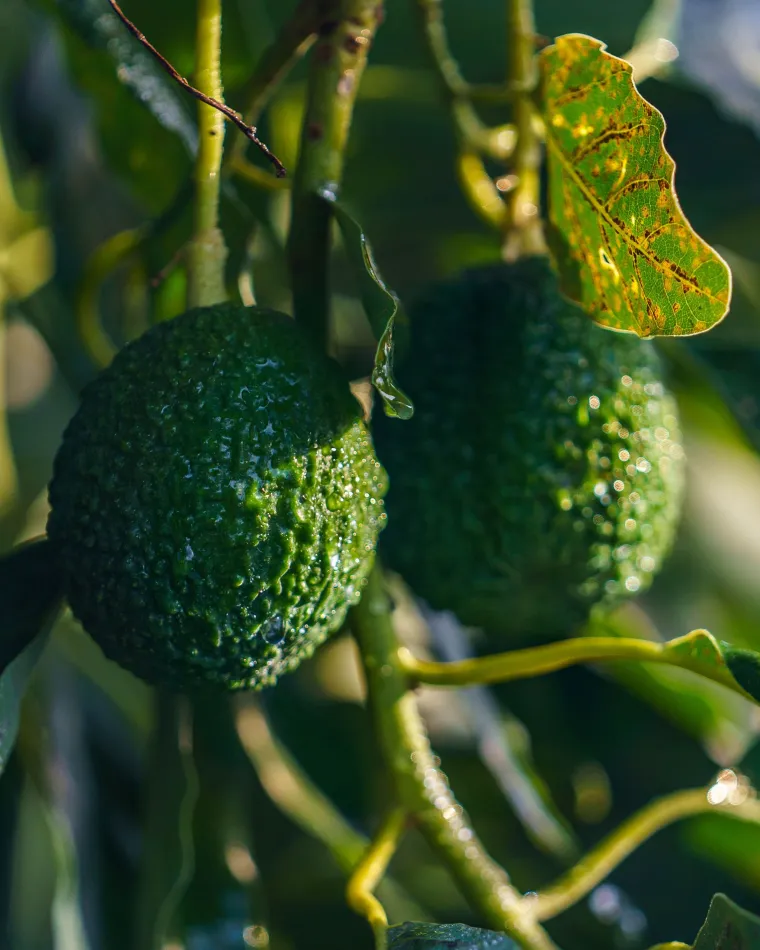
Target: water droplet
(273,631)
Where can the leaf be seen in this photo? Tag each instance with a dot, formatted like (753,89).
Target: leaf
(745,668)
(419,936)
(30,596)
(623,248)
(381,306)
(728,927)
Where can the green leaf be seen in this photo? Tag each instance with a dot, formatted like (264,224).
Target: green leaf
(30,596)
(418,936)
(623,248)
(728,927)
(381,306)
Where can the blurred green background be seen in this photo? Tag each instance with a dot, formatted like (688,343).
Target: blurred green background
(93,832)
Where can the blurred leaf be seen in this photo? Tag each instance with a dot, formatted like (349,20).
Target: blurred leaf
(728,927)
(745,668)
(416,936)
(30,595)
(31,590)
(12,686)
(724,723)
(734,373)
(381,306)
(27,263)
(143,120)
(733,845)
(624,250)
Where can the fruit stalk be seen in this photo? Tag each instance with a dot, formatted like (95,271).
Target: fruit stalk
(421,787)
(523,232)
(338,60)
(207,252)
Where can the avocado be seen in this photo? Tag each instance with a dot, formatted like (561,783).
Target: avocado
(216,501)
(542,472)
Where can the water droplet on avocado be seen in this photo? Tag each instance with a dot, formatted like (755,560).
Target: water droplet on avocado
(273,630)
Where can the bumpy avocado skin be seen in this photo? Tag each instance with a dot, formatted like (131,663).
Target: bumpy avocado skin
(216,501)
(542,471)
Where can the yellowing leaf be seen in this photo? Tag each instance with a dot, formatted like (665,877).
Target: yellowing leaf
(623,248)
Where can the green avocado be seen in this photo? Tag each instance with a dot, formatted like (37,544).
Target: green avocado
(216,501)
(542,471)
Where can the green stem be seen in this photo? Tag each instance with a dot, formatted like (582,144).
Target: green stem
(207,253)
(595,866)
(537,661)
(523,233)
(421,787)
(338,60)
(370,871)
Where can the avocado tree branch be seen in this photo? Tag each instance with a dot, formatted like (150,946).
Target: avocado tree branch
(337,62)
(207,252)
(422,789)
(595,866)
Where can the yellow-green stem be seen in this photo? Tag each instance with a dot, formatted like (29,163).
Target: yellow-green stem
(595,866)
(537,661)
(337,63)
(421,787)
(523,232)
(370,871)
(207,253)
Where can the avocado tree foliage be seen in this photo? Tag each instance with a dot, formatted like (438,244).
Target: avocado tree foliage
(217,502)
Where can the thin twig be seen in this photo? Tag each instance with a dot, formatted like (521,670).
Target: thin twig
(234,117)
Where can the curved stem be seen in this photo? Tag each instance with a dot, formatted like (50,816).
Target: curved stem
(470,128)
(338,60)
(371,870)
(421,787)
(536,661)
(523,232)
(595,866)
(207,251)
